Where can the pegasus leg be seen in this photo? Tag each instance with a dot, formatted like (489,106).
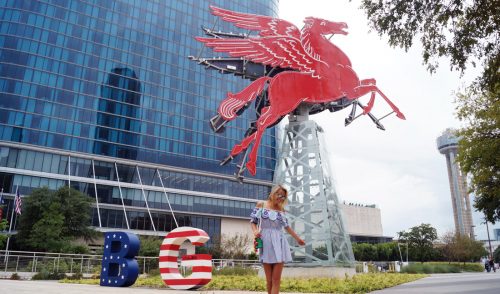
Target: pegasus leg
(365,89)
(270,115)
(238,148)
(369,107)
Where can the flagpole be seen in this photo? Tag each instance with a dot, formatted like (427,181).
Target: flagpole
(1,206)
(10,227)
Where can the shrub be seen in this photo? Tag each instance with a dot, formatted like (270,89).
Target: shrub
(372,268)
(154,272)
(461,266)
(75,249)
(46,275)
(63,266)
(15,276)
(358,284)
(253,256)
(472,267)
(429,268)
(441,269)
(235,271)
(96,274)
(359,268)
(75,276)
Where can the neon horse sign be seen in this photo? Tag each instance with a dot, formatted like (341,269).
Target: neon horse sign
(319,71)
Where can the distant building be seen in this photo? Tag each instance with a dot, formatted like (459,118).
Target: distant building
(496,234)
(494,245)
(447,144)
(364,223)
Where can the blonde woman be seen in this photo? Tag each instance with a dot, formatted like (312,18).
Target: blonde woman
(275,251)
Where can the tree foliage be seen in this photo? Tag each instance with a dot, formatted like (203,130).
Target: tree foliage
(478,148)
(230,246)
(420,240)
(51,220)
(3,227)
(150,245)
(376,252)
(464,31)
(462,248)
(496,255)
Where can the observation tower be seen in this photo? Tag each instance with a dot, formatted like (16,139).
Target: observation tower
(447,145)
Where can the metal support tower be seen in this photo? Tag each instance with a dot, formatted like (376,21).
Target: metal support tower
(313,209)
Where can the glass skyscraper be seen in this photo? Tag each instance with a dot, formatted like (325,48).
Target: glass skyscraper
(100,95)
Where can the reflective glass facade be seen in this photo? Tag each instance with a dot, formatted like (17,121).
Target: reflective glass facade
(101,95)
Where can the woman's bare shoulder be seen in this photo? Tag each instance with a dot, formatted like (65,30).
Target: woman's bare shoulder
(260,204)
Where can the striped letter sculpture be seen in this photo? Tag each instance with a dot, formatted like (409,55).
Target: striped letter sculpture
(201,263)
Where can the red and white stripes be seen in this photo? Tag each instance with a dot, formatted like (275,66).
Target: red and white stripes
(169,253)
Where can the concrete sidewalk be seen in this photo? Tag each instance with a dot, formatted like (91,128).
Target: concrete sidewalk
(53,287)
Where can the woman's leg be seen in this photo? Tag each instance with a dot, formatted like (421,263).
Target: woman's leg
(276,277)
(268,270)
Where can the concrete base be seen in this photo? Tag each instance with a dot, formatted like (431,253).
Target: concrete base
(22,275)
(29,275)
(315,272)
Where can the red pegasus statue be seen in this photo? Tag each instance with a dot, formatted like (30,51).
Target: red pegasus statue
(320,73)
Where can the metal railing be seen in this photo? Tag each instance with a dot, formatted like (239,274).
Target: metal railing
(25,261)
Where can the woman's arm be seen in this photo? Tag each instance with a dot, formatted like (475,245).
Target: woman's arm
(255,229)
(295,236)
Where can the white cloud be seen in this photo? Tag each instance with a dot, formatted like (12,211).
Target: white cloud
(399,169)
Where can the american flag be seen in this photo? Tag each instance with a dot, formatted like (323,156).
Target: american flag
(18,201)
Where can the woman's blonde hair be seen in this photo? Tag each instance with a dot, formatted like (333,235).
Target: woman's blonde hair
(272,196)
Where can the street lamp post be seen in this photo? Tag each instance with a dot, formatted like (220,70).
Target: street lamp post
(406,252)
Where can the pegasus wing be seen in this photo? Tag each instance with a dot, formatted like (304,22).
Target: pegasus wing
(266,25)
(280,51)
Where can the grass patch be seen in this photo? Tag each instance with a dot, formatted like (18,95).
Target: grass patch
(361,283)
(442,267)
(464,267)
(235,271)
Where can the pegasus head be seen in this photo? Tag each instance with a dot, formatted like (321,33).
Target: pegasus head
(325,27)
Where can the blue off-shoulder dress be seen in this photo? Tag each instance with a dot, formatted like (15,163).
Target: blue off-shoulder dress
(275,245)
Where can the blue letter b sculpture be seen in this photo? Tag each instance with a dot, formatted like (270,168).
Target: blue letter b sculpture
(119,268)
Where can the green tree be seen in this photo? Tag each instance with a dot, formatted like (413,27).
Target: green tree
(462,248)
(46,233)
(150,245)
(463,31)
(3,227)
(365,252)
(420,240)
(496,255)
(77,212)
(388,251)
(51,220)
(478,148)
(235,246)
(228,246)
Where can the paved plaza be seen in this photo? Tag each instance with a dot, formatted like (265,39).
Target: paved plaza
(484,283)
(53,287)
(477,283)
